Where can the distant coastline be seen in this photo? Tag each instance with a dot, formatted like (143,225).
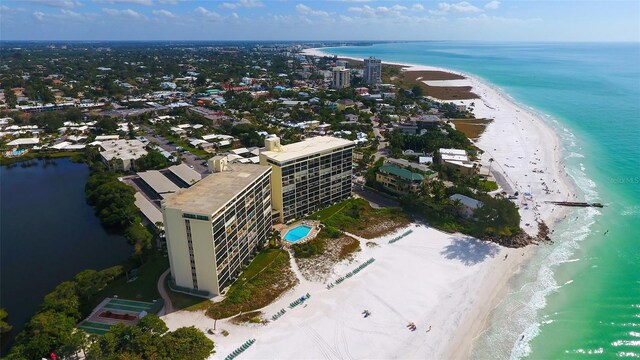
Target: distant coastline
(499,141)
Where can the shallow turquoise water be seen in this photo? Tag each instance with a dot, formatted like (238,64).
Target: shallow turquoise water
(578,298)
(297,233)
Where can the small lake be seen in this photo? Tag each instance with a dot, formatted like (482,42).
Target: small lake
(48,234)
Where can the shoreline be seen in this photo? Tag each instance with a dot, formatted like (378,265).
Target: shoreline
(447,284)
(501,150)
(405,284)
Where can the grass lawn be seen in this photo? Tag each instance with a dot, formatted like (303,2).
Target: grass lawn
(358,217)
(324,214)
(487,185)
(186,146)
(183,301)
(266,278)
(144,288)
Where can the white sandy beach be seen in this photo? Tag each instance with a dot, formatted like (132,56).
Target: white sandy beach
(450,282)
(525,149)
(430,278)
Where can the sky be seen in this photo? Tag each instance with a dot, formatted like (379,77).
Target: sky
(486,20)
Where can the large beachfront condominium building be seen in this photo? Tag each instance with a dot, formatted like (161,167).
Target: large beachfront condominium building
(214,227)
(372,71)
(308,175)
(341,77)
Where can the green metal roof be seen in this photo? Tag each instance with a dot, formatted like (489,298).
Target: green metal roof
(403,173)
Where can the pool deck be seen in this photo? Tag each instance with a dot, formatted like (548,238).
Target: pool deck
(315,229)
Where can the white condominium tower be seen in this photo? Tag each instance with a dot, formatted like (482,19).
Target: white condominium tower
(215,226)
(308,175)
(372,71)
(341,77)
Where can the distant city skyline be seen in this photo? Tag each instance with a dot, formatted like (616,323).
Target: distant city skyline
(319,20)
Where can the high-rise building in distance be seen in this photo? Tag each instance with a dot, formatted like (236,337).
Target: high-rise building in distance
(341,77)
(372,71)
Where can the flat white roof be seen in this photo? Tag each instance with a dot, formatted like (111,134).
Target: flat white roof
(107,137)
(208,195)
(24,141)
(123,149)
(452,151)
(186,173)
(158,182)
(449,158)
(467,201)
(307,147)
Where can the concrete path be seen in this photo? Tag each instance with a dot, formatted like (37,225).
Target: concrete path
(168,306)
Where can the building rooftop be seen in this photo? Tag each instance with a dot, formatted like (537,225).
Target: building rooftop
(123,149)
(158,182)
(407,164)
(148,210)
(24,141)
(403,173)
(306,147)
(467,201)
(452,151)
(185,173)
(208,195)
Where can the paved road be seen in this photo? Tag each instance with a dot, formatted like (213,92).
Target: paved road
(375,199)
(382,145)
(190,159)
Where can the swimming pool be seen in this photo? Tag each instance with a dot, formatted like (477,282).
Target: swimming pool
(297,233)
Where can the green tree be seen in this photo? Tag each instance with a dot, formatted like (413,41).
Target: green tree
(187,342)
(140,237)
(152,324)
(89,282)
(4,325)
(46,332)
(63,299)
(153,160)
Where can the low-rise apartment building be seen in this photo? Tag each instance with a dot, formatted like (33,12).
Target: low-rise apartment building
(122,154)
(399,180)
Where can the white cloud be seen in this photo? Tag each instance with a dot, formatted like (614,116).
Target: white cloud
(5,10)
(380,11)
(211,15)
(134,2)
(65,4)
(417,7)
(169,2)
(306,10)
(242,4)
(39,15)
(461,7)
(492,5)
(70,14)
(163,13)
(128,13)
(496,20)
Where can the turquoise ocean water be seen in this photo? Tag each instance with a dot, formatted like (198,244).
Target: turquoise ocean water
(578,298)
